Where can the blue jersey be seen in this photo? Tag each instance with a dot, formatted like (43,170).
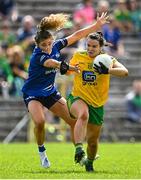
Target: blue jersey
(41,79)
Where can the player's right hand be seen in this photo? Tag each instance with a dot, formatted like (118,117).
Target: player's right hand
(103,19)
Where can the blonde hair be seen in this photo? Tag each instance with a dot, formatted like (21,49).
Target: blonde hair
(53,22)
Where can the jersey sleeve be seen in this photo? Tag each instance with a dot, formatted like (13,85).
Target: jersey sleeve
(41,58)
(61,43)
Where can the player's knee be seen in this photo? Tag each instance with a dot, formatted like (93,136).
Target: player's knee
(72,124)
(84,116)
(40,124)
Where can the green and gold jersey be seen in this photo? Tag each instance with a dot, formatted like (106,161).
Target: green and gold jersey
(89,85)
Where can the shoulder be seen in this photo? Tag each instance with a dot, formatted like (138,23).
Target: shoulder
(37,52)
(38,55)
(78,55)
(81,53)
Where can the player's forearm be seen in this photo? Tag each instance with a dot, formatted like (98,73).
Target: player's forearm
(63,66)
(118,72)
(83,33)
(51,63)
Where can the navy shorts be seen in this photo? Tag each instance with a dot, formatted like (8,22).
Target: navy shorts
(47,101)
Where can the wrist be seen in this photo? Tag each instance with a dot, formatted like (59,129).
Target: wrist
(64,67)
(109,71)
(58,65)
(98,25)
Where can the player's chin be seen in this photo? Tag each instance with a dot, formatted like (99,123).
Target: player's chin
(91,54)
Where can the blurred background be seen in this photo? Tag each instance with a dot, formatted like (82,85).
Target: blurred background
(18,20)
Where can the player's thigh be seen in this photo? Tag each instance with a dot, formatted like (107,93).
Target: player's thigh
(60,109)
(79,108)
(36,111)
(93,132)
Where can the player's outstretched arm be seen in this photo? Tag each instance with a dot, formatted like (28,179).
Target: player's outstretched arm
(101,20)
(63,66)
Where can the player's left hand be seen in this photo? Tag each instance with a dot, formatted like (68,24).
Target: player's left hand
(102,69)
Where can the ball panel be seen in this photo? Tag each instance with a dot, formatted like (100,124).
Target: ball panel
(104,58)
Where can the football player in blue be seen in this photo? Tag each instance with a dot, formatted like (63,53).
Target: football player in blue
(39,90)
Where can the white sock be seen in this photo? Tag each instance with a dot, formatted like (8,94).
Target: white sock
(42,154)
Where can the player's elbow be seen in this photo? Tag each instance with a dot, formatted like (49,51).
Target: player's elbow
(125,73)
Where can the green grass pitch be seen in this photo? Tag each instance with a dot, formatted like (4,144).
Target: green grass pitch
(117,161)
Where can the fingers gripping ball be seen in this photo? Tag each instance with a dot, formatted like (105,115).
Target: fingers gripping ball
(64,67)
(102,63)
(104,59)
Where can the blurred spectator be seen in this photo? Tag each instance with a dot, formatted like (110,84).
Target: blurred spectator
(112,35)
(18,70)
(84,13)
(103,6)
(25,36)
(27,30)
(8,10)
(6,76)
(135,11)
(7,37)
(123,16)
(133,99)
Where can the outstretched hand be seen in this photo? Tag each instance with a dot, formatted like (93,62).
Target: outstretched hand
(103,19)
